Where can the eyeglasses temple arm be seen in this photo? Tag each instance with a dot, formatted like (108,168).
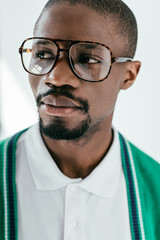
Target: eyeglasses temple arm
(121,59)
(26,50)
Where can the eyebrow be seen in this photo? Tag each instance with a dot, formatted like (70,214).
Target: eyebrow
(90,46)
(42,42)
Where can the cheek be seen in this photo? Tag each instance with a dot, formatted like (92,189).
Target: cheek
(36,84)
(104,97)
(33,84)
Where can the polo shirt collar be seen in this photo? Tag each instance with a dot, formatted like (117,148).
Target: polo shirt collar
(47,176)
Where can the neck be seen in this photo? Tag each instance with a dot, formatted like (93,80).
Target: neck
(77,159)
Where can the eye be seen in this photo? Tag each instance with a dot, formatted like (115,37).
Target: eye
(91,60)
(44,55)
(88,59)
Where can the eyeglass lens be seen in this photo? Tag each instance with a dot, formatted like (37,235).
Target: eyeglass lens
(89,61)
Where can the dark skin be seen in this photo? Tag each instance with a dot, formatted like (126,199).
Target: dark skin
(77,158)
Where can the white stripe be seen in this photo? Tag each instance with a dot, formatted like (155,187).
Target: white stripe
(5,192)
(137,192)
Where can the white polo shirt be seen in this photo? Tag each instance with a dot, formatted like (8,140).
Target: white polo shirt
(52,206)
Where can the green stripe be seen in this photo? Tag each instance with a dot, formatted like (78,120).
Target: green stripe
(138,198)
(14,186)
(14,183)
(128,191)
(2,144)
(131,191)
(5,221)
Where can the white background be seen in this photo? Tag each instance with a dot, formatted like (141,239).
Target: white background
(137,113)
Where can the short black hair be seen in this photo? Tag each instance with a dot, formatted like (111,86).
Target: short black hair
(126,24)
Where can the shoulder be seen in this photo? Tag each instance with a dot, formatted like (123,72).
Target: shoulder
(23,139)
(146,167)
(142,175)
(143,159)
(11,140)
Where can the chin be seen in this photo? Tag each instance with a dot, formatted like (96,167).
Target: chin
(57,129)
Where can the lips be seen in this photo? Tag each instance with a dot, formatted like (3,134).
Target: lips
(59,102)
(58,106)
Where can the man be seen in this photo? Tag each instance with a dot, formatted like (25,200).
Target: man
(77,177)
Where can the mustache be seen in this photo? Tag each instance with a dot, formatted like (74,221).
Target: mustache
(63,92)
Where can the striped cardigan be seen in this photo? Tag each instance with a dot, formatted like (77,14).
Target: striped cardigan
(142,175)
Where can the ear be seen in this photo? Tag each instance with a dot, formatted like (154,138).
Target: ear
(132,70)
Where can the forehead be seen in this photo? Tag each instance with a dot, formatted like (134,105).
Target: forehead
(63,21)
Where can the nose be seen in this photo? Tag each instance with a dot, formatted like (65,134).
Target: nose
(61,75)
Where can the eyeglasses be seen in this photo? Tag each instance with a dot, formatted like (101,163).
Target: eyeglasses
(89,61)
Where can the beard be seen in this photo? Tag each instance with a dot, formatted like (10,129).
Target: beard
(58,130)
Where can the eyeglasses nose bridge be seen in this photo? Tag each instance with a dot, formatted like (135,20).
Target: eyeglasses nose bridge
(62,50)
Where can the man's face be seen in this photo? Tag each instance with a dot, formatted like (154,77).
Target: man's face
(69,107)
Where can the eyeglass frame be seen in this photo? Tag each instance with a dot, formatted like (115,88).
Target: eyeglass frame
(71,43)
